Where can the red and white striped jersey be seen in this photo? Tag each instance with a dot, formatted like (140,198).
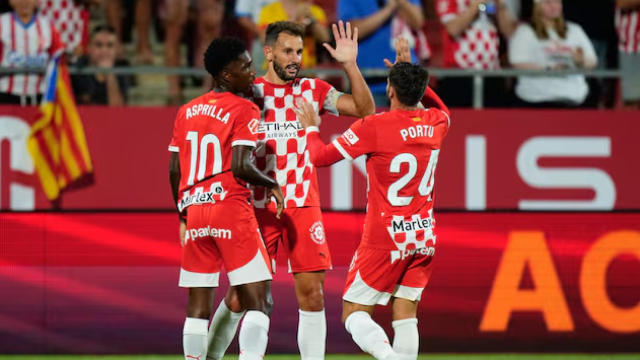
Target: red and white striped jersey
(477,47)
(628,25)
(21,45)
(282,142)
(70,19)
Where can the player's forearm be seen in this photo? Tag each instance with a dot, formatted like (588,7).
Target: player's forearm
(362,96)
(174,177)
(412,14)
(250,173)
(321,155)
(432,100)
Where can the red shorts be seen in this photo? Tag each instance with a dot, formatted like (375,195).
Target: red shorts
(376,275)
(301,232)
(225,232)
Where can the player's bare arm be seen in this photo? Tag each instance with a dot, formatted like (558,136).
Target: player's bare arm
(243,167)
(360,103)
(174,179)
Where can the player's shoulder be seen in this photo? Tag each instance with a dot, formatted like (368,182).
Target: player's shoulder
(437,117)
(242,102)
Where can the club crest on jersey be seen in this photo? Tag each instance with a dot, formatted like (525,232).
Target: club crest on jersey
(254,126)
(350,137)
(317,232)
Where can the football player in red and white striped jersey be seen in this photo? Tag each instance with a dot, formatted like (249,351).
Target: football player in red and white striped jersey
(27,39)
(628,24)
(282,154)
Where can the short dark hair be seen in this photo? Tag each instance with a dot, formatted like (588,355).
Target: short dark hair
(222,52)
(103,28)
(409,81)
(275,29)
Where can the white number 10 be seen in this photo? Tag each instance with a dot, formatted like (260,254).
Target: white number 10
(426,184)
(192,137)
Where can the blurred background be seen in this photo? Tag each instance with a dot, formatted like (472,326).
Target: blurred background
(538,207)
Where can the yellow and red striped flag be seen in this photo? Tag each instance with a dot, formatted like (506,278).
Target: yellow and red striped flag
(57,142)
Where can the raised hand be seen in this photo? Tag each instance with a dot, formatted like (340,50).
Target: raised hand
(346,50)
(403,52)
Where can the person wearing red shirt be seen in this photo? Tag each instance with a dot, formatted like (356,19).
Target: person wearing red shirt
(393,260)
(213,138)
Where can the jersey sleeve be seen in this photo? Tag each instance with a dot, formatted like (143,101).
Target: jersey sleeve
(360,139)
(174,145)
(245,128)
(328,96)
(447,10)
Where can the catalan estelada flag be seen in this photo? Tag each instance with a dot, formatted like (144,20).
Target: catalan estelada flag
(57,142)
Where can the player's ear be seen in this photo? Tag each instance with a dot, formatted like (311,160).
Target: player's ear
(225,75)
(268,52)
(391,92)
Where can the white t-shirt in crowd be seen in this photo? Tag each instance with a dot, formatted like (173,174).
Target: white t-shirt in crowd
(526,48)
(251,8)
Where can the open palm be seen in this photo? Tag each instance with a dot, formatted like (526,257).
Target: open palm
(346,50)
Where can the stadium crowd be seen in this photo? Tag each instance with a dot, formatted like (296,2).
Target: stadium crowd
(545,35)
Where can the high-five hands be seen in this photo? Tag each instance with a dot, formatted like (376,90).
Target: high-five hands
(403,52)
(346,50)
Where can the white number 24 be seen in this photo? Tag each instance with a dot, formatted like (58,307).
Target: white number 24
(426,184)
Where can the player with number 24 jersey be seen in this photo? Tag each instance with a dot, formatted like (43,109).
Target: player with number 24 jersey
(402,148)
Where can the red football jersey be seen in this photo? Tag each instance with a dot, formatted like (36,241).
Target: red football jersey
(282,142)
(205,131)
(402,149)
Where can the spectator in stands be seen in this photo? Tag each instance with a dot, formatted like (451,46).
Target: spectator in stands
(628,23)
(304,12)
(210,16)
(71,19)
(27,39)
(248,14)
(101,89)
(548,42)
(471,41)
(379,23)
(142,24)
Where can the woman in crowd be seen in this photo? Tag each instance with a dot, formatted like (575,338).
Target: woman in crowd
(550,43)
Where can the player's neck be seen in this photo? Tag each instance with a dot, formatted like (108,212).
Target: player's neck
(399,106)
(220,90)
(273,78)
